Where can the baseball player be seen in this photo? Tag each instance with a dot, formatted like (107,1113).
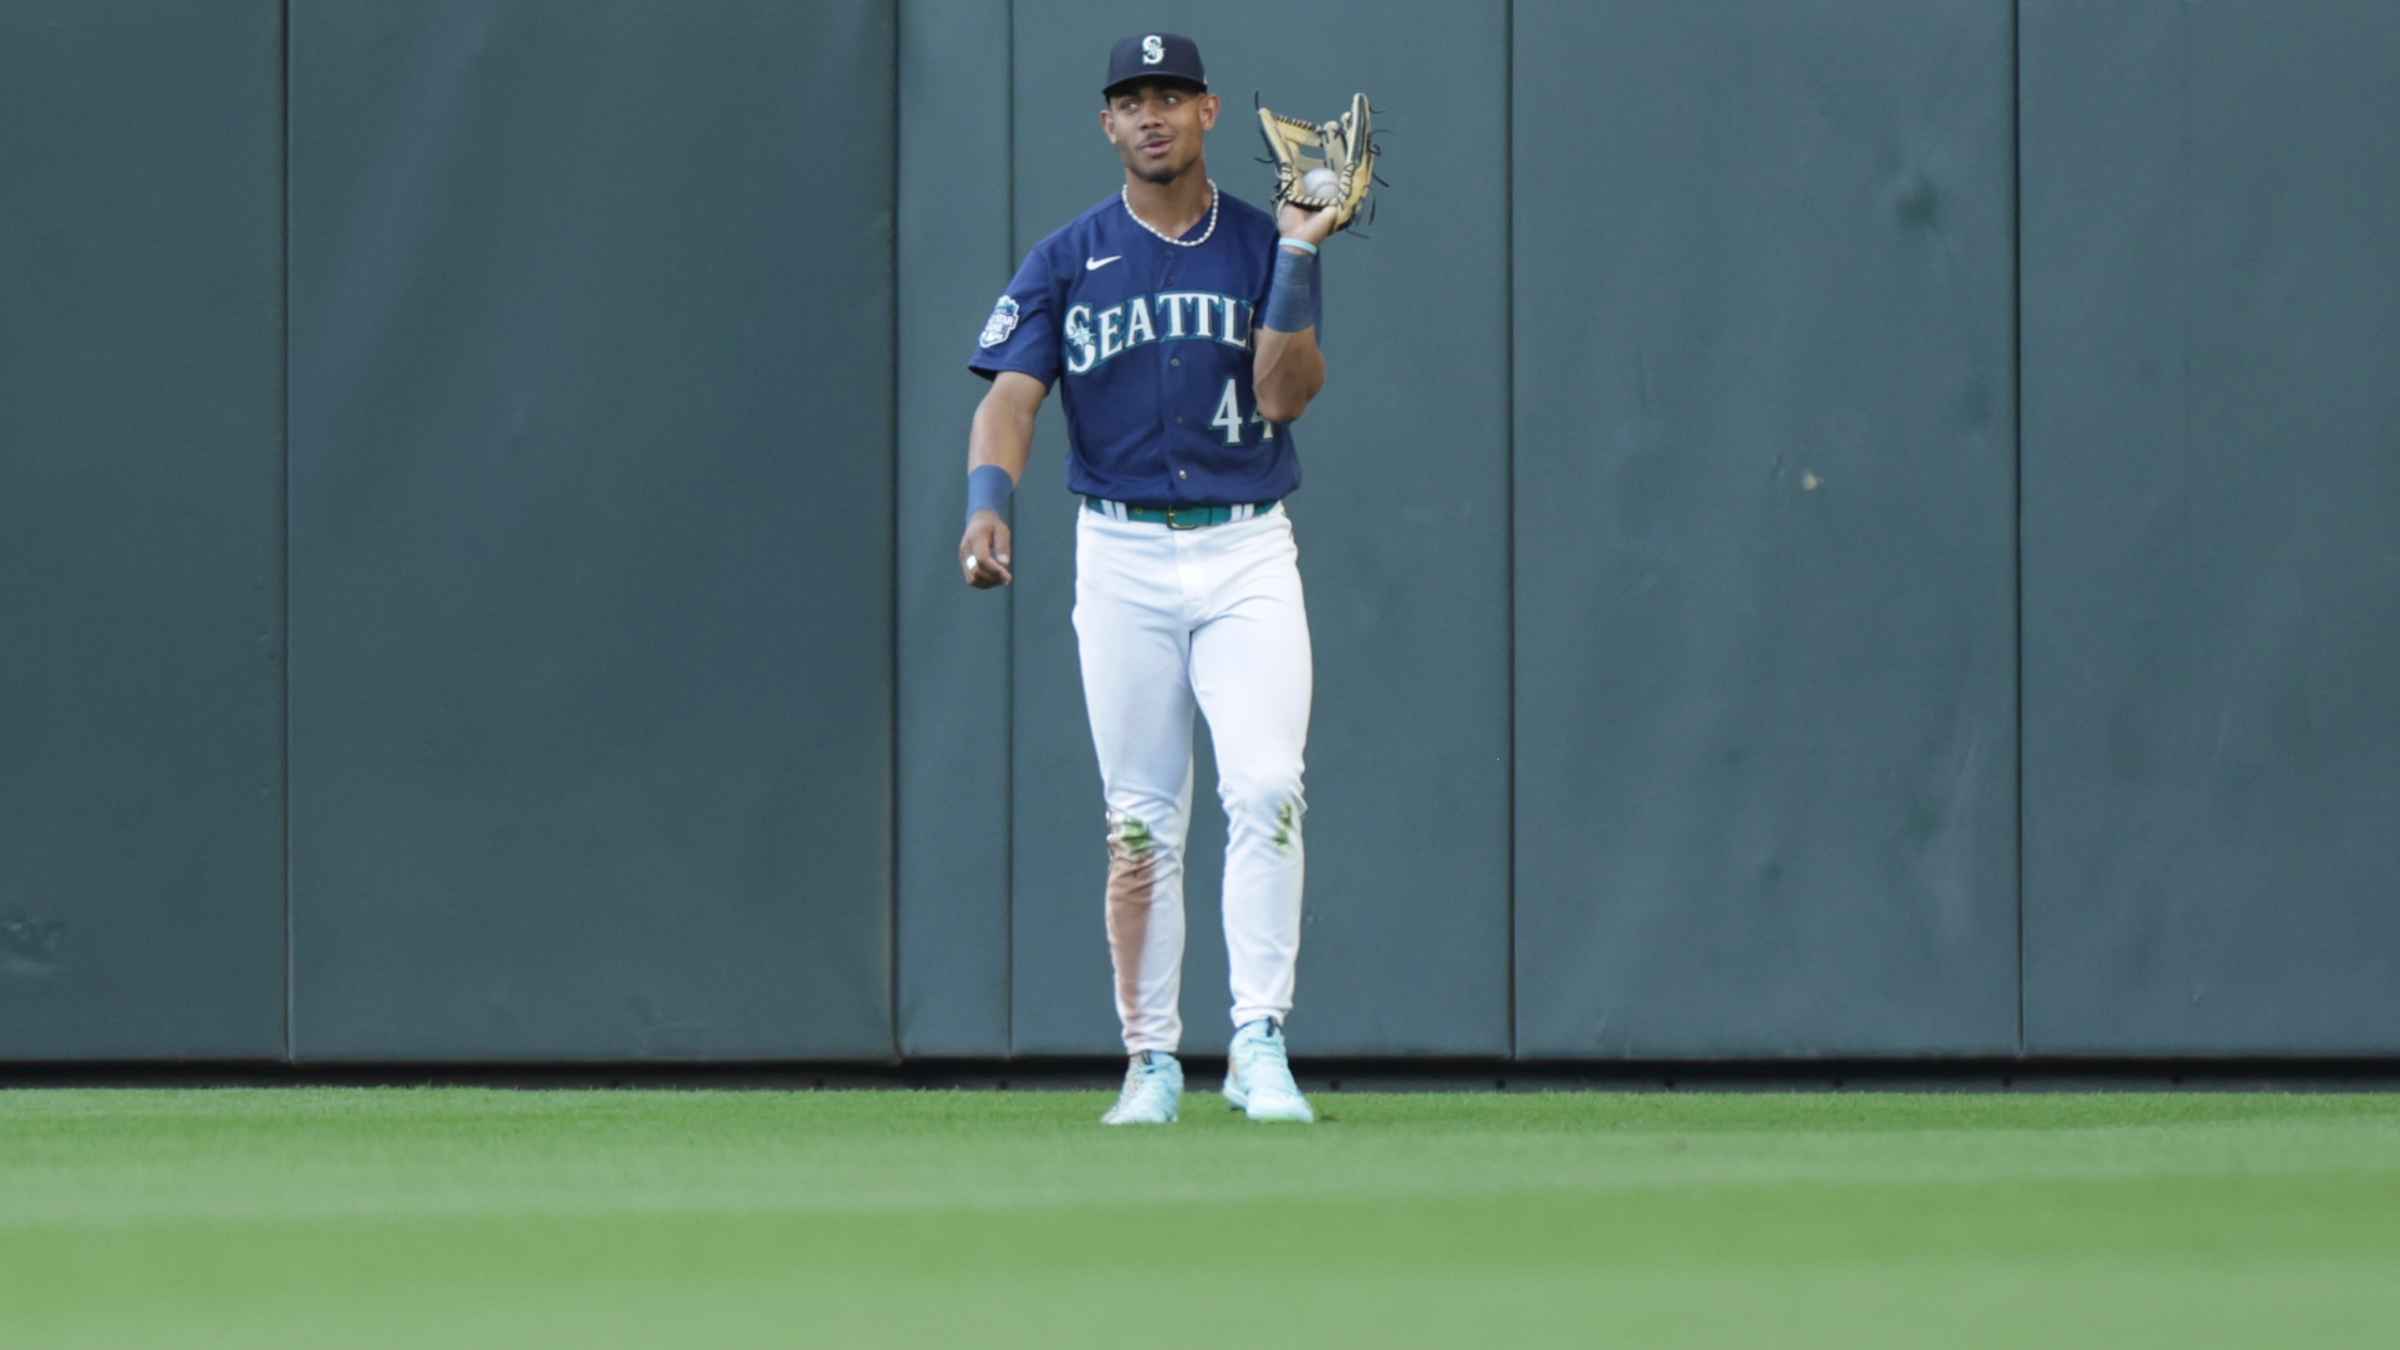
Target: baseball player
(1180,325)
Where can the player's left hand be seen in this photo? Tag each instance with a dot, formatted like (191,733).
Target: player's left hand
(1298,222)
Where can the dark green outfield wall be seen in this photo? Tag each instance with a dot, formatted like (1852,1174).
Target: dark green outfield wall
(141,553)
(1836,529)
(591,531)
(1765,472)
(2212,528)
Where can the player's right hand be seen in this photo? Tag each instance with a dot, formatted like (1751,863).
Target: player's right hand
(983,551)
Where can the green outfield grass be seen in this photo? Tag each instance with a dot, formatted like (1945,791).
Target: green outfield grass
(410,1217)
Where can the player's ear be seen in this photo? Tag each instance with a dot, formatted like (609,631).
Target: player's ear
(1209,106)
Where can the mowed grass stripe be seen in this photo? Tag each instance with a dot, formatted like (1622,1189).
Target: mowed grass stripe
(406,1217)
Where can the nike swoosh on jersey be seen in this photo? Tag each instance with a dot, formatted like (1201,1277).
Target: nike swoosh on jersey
(1095,264)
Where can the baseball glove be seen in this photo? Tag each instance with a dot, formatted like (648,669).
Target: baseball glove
(1344,146)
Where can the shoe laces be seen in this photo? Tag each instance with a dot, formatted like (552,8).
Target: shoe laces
(1144,1079)
(1268,1060)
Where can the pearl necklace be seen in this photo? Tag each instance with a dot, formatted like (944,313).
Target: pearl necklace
(1179,243)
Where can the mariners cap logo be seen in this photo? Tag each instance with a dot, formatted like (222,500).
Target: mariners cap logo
(1154,56)
(1002,323)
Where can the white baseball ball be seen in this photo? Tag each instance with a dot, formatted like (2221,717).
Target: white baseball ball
(1320,182)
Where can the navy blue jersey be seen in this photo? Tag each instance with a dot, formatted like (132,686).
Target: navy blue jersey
(1150,346)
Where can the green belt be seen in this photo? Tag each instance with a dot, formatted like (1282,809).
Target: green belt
(1173,517)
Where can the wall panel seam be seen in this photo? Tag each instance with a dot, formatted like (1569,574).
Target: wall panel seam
(1508,460)
(894,861)
(283,505)
(2016,321)
(1008,646)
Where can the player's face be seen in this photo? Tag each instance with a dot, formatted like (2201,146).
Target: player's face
(1158,127)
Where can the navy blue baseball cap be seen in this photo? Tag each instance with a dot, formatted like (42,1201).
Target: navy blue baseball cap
(1154,56)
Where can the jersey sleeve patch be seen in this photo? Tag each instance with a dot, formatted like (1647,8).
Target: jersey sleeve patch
(1022,332)
(1002,323)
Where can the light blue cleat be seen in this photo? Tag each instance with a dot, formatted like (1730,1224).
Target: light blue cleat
(1258,1075)
(1152,1094)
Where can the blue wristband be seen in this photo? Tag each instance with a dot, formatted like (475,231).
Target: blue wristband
(988,489)
(1293,302)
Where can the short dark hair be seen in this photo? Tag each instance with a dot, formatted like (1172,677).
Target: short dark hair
(1109,95)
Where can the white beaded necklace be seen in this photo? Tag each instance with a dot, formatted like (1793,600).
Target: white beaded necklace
(1179,243)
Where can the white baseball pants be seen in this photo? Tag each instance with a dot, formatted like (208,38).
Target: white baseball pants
(1167,621)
